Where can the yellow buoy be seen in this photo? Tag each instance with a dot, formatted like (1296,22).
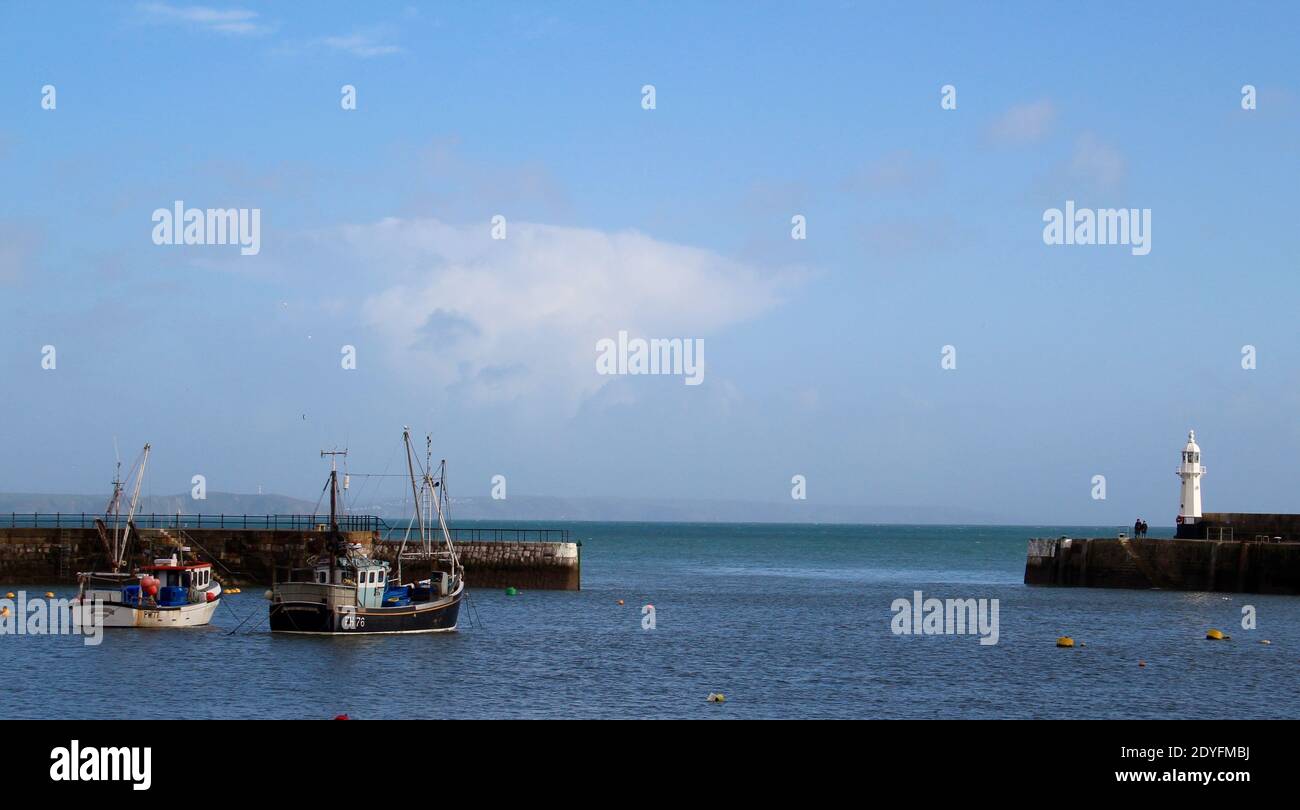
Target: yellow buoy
(9,595)
(717,697)
(620,601)
(49,594)
(1266,641)
(1065,641)
(1216,635)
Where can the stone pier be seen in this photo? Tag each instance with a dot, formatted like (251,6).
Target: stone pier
(1235,566)
(49,555)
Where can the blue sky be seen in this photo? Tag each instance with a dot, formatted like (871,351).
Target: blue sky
(822,355)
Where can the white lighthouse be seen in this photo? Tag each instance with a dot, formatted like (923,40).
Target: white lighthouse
(1190,470)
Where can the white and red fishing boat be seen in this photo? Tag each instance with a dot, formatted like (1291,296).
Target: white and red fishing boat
(169,593)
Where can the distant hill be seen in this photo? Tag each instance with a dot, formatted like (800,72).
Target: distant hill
(526,507)
(217,503)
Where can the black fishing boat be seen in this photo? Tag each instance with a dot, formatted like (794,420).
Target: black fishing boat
(347,592)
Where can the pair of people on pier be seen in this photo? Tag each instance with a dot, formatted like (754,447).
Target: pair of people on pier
(1139,528)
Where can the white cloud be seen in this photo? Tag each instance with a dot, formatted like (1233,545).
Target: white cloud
(365,44)
(1023,124)
(226,21)
(518,317)
(1096,163)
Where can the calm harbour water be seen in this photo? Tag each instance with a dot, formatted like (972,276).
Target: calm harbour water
(786,621)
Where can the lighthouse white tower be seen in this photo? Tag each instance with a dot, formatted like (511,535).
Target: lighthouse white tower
(1190,470)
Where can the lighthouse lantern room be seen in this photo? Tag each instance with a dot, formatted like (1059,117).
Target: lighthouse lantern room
(1190,470)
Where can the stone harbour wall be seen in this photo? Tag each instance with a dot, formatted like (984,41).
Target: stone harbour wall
(40,556)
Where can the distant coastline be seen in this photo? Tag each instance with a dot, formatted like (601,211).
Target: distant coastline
(532,507)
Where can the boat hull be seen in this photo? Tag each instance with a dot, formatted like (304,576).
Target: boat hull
(313,618)
(123,615)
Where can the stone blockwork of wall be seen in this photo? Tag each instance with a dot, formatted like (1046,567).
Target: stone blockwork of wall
(491,564)
(1248,526)
(1183,565)
(48,556)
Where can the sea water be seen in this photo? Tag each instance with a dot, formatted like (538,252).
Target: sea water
(784,621)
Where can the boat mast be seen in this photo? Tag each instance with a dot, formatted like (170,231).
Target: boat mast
(119,547)
(115,504)
(416,500)
(334,540)
(442,501)
(427,504)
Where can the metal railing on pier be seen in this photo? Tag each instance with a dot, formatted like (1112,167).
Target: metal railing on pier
(487,534)
(303,523)
(64,520)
